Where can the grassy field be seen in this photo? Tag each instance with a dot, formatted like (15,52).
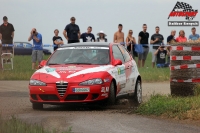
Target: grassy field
(172,107)
(22,71)
(14,125)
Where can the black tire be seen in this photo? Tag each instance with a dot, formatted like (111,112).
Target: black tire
(112,95)
(37,106)
(138,93)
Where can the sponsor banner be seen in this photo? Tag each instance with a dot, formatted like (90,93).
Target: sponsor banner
(184,57)
(181,48)
(185,66)
(197,80)
(81,90)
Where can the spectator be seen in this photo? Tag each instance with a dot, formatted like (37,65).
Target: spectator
(57,40)
(37,53)
(88,36)
(7,34)
(194,36)
(161,57)
(168,56)
(156,39)
(73,32)
(143,38)
(130,43)
(101,37)
(181,37)
(171,37)
(119,35)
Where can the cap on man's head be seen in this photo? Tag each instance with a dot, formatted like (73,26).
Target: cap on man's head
(5,18)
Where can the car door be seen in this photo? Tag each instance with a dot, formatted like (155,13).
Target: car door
(119,72)
(27,48)
(129,70)
(18,48)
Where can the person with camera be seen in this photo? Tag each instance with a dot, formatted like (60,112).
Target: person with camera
(156,40)
(161,54)
(72,32)
(37,52)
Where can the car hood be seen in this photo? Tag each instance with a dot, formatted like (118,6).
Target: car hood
(70,73)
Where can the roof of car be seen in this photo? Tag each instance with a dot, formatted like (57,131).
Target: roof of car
(105,44)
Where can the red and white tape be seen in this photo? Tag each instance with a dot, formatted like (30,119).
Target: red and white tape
(185,66)
(186,81)
(184,57)
(181,48)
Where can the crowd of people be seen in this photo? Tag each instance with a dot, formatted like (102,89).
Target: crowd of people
(73,35)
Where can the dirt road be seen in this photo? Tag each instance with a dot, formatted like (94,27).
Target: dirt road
(87,119)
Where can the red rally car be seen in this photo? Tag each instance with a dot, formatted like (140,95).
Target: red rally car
(85,73)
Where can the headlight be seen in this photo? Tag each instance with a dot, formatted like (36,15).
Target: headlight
(37,83)
(92,82)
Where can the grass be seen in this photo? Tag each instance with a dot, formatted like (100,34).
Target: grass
(172,107)
(15,125)
(22,71)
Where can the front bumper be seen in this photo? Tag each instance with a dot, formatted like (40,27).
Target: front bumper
(50,94)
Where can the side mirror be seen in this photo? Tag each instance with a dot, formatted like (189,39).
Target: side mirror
(42,63)
(117,62)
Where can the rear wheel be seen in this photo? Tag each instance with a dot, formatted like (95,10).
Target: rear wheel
(112,95)
(37,106)
(138,93)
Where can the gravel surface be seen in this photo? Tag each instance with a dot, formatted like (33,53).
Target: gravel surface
(14,100)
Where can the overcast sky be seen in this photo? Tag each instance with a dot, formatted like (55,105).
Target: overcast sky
(47,15)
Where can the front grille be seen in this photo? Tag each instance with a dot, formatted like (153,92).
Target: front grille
(76,97)
(61,87)
(48,97)
(94,96)
(34,97)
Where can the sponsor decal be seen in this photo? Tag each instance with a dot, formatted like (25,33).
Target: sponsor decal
(62,72)
(50,69)
(72,71)
(69,68)
(184,10)
(104,95)
(81,90)
(120,70)
(86,48)
(106,80)
(107,89)
(103,89)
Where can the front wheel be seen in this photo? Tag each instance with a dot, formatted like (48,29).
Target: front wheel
(37,106)
(138,93)
(112,95)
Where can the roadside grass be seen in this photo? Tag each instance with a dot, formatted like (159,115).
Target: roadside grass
(15,125)
(172,107)
(150,74)
(22,70)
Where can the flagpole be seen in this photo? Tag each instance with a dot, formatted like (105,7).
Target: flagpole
(172,9)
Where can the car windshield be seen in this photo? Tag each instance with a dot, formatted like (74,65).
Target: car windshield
(80,55)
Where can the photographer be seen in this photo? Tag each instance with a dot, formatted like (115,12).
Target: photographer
(161,54)
(37,52)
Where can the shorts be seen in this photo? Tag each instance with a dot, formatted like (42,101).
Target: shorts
(143,56)
(73,41)
(37,55)
(162,65)
(154,57)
